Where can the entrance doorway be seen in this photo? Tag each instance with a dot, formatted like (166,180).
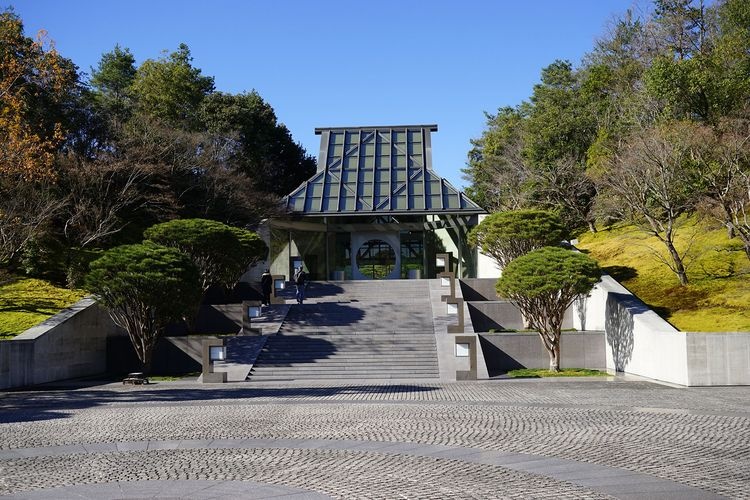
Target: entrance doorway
(376,259)
(374,256)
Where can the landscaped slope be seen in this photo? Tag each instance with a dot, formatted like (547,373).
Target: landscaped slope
(24,302)
(718,296)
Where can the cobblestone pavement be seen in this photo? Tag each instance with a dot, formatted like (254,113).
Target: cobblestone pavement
(495,439)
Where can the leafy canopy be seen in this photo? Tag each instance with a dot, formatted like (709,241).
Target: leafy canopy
(261,148)
(111,80)
(508,235)
(154,275)
(171,89)
(543,284)
(36,87)
(145,287)
(220,252)
(549,274)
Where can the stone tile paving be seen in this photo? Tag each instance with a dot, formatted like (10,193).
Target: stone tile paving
(655,438)
(229,490)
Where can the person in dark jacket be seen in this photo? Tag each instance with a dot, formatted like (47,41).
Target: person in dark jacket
(300,279)
(266,282)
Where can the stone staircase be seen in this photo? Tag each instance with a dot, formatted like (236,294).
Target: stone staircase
(354,330)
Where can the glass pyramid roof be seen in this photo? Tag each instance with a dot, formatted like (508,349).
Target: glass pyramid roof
(377,170)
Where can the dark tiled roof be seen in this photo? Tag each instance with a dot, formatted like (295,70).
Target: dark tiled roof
(377,170)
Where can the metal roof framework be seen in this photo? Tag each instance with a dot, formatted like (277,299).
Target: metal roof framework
(378,171)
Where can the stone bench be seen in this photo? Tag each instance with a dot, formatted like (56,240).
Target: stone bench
(135,378)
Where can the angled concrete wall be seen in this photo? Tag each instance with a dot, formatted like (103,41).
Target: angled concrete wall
(70,344)
(488,312)
(639,342)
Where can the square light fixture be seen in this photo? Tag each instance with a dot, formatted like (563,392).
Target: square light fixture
(279,284)
(440,261)
(445,281)
(451,308)
(217,353)
(253,311)
(462,350)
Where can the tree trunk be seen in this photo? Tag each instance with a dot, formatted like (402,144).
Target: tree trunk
(679,267)
(592,226)
(554,357)
(744,236)
(144,349)
(527,323)
(146,361)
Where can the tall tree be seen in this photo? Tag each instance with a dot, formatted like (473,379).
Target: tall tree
(171,89)
(260,147)
(559,131)
(220,253)
(496,168)
(144,287)
(36,84)
(702,72)
(654,181)
(190,175)
(534,155)
(27,210)
(543,284)
(682,26)
(724,156)
(507,235)
(112,80)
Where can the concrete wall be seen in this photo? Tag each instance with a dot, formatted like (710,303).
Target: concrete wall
(172,355)
(70,344)
(490,313)
(509,351)
(474,289)
(486,266)
(718,358)
(639,342)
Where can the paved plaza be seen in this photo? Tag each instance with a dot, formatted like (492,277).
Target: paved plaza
(566,438)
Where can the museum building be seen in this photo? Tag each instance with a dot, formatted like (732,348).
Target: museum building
(375,209)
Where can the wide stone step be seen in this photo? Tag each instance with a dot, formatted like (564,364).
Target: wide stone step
(360,354)
(324,343)
(343,374)
(379,357)
(354,330)
(350,345)
(275,351)
(332,363)
(363,354)
(337,378)
(298,373)
(312,367)
(308,339)
(372,334)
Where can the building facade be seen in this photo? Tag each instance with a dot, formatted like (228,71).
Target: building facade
(375,209)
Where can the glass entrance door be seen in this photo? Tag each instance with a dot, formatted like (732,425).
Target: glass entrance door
(376,259)
(375,255)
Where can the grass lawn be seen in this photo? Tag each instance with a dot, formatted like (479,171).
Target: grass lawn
(718,296)
(24,302)
(543,372)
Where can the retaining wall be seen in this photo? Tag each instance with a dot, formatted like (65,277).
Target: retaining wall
(509,351)
(639,342)
(71,344)
(489,312)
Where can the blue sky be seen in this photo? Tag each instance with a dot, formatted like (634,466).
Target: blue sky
(347,63)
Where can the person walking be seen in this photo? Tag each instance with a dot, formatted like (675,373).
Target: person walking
(300,280)
(266,282)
